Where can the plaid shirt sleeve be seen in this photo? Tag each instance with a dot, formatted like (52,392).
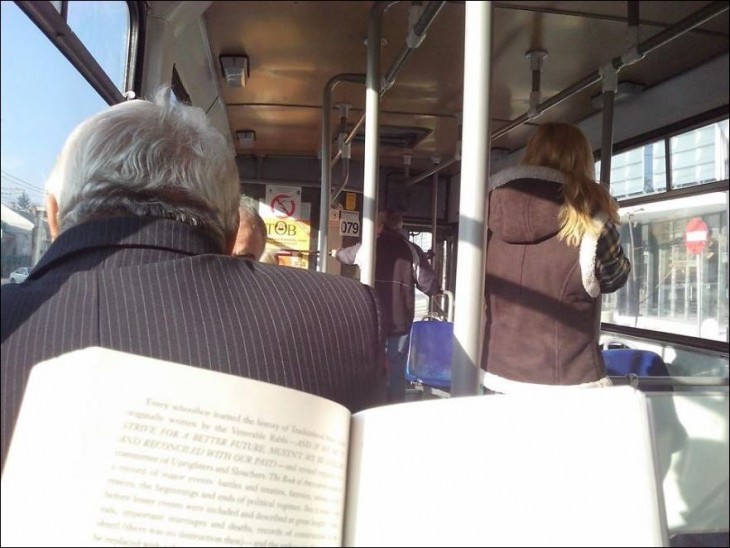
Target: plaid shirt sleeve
(612,266)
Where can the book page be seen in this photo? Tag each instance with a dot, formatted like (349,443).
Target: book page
(570,468)
(116,449)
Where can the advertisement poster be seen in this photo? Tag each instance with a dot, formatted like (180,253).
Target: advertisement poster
(287,225)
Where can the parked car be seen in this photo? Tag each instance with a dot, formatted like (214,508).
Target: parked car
(19,275)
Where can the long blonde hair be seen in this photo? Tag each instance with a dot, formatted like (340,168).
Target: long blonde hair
(565,148)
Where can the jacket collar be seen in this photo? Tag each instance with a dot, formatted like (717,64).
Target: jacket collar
(126,232)
(526,172)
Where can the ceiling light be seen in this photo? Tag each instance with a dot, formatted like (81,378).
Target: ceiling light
(246,138)
(235,69)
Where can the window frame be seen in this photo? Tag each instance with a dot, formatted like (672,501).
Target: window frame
(54,26)
(665,135)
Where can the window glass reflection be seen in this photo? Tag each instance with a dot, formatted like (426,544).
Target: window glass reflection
(103,27)
(700,156)
(638,172)
(679,280)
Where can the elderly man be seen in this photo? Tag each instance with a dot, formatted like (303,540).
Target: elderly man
(142,205)
(251,238)
(400,267)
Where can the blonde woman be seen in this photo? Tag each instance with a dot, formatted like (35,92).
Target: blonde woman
(553,249)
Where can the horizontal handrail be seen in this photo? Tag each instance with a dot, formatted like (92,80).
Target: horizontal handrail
(670,381)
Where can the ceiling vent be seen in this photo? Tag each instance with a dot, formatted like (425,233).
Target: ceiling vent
(246,138)
(395,136)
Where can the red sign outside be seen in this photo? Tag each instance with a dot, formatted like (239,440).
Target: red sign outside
(696,236)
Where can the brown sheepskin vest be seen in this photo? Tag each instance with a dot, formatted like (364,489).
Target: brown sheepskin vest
(542,325)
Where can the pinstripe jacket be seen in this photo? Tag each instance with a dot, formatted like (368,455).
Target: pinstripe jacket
(163,289)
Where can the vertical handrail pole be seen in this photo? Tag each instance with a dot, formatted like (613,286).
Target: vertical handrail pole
(610,86)
(326,178)
(372,114)
(472,202)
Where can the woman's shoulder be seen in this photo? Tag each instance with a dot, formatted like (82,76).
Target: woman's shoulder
(525,172)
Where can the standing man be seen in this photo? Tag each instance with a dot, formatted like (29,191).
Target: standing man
(400,267)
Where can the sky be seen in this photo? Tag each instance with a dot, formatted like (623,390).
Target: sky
(42,97)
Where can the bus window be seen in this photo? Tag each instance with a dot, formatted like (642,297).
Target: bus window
(700,156)
(44,98)
(678,250)
(678,247)
(638,172)
(103,27)
(422,240)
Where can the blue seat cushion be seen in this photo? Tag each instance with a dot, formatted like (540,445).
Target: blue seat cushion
(644,363)
(429,353)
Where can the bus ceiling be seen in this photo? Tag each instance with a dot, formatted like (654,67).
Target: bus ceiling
(295,49)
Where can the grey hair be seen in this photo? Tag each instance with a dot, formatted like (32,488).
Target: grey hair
(149,159)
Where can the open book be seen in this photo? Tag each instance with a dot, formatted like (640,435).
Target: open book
(116,449)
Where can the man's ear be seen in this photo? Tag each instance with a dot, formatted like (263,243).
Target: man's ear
(52,213)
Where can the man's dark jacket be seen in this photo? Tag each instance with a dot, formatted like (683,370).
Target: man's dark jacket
(400,267)
(163,289)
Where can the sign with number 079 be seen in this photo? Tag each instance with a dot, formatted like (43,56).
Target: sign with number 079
(349,223)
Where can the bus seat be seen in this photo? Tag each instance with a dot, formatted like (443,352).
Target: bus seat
(690,429)
(644,363)
(428,364)
(567,468)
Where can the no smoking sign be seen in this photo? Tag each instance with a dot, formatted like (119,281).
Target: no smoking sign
(284,202)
